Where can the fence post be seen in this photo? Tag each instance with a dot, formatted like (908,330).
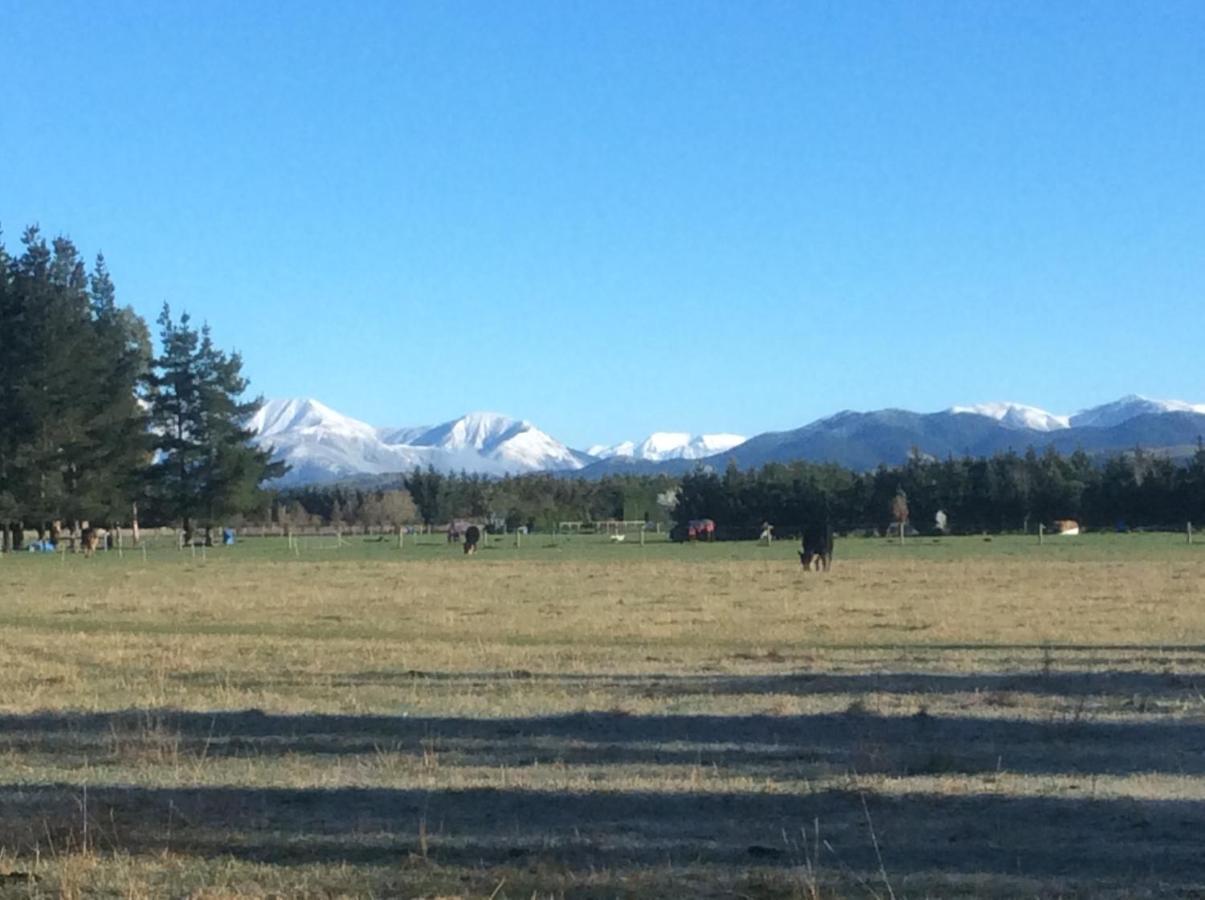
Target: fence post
(1041,532)
(1189,530)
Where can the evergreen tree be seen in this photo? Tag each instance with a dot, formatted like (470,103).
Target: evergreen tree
(9,357)
(428,492)
(73,433)
(118,450)
(208,468)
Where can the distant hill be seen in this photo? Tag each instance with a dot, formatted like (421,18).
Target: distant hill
(865,440)
(323,445)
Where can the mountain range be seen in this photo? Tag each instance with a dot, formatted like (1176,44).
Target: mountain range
(322,445)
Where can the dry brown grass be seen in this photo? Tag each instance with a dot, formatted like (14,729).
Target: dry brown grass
(603,727)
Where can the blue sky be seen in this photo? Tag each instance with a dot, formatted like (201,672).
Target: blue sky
(616,217)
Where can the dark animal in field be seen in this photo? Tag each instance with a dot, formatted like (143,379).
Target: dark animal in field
(817,549)
(700,530)
(472,535)
(458,528)
(91,538)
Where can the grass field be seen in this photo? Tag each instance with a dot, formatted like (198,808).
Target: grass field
(586,719)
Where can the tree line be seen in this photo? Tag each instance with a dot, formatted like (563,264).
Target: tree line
(538,501)
(1006,492)
(97,427)
(1002,493)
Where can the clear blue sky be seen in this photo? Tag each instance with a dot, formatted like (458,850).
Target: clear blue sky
(614,217)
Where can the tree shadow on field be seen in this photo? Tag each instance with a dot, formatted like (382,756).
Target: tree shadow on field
(802,746)
(626,824)
(1125,684)
(1043,837)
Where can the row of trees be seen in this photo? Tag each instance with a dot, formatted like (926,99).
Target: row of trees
(1006,492)
(340,505)
(95,425)
(431,498)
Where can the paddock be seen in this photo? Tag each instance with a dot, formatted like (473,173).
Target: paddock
(581,717)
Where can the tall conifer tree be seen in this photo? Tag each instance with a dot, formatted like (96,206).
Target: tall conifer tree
(207,467)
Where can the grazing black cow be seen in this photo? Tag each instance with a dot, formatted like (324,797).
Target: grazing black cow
(817,547)
(472,535)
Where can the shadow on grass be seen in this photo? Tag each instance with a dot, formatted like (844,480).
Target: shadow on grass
(918,833)
(759,746)
(1126,684)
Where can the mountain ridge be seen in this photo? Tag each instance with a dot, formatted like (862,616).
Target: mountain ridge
(322,444)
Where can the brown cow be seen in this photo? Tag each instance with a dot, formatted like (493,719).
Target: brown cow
(91,538)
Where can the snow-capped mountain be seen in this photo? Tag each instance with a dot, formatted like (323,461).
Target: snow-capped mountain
(606,451)
(323,445)
(1017,415)
(404,435)
(662,445)
(1130,407)
(864,440)
(309,416)
(515,443)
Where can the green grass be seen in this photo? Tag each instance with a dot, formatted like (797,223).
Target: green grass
(589,547)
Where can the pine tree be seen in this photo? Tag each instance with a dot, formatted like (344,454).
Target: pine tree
(73,431)
(9,355)
(208,468)
(429,493)
(118,448)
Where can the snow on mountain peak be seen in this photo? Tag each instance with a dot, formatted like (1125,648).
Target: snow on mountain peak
(605,451)
(472,431)
(659,443)
(719,442)
(663,445)
(1129,407)
(322,444)
(1017,415)
(299,413)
